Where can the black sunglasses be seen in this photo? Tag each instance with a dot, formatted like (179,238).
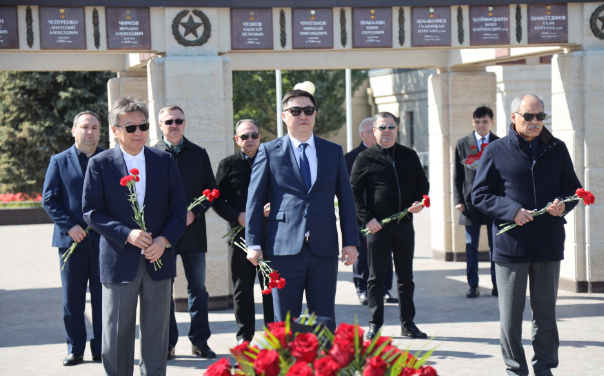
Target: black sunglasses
(132,128)
(383,127)
(245,136)
(528,116)
(170,121)
(296,111)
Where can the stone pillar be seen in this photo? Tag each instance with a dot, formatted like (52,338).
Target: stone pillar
(577,97)
(452,98)
(127,82)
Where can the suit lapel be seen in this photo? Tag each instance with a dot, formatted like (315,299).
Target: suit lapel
(118,165)
(290,159)
(150,171)
(321,158)
(75,162)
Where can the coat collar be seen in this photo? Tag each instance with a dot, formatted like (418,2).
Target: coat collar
(75,162)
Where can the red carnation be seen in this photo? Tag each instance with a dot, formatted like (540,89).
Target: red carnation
(281,283)
(375,367)
(272,285)
(304,347)
(274,276)
(409,372)
(342,351)
(207,193)
(134,171)
(427,371)
(266,291)
(215,193)
(589,198)
(347,331)
(278,330)
(473,147)
(300,369)
(137,179)
(326,367)
(267,363)
(220,368)
(124,181)
(426,201)
(580,192)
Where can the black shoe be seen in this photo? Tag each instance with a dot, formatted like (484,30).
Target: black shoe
(203,351)
(373,331)
(363,299)
(389,298)
(96,358)
(73,359)
(171,352)
(495,292)
(473,292)
(411,331)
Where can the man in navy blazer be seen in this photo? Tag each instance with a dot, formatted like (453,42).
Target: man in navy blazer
(127,253)
(62,200)
(302,174)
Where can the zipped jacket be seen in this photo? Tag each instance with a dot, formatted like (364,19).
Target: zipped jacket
(510,177)
(387,181)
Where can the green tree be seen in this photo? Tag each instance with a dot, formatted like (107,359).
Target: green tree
(36,115)
(254,97)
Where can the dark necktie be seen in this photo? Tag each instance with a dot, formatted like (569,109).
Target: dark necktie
(305,167)
(481,141)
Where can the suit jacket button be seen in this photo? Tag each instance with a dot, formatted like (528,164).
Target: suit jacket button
(307,204)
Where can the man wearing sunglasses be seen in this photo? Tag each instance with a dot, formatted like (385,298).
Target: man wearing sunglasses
(526,170)
(469,216)
(386,179)
(196,173)
(127,252)
(62,200)
(302,173)
(233,179)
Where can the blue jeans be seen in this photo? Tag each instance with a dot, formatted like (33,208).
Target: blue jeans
(194,264)
(472,237)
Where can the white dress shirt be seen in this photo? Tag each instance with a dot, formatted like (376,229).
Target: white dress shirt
(311,155)
(137,161)
(478,137)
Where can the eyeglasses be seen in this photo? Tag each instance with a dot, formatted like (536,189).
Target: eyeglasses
(528,116)
(132,128)
(245,136)
(170,121)
(383,127)
(296,111)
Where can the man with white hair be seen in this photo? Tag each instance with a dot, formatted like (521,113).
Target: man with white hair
(360,269)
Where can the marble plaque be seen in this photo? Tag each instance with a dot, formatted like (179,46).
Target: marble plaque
(547,23)
(128,28)
(62,28)
(9,32)
(430,26)
(371,27)
(251,29)
(489,25)
(312,28)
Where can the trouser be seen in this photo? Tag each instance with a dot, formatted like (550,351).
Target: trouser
(306,272)
(194,264)
(360,270)
(81,270)
(512,280)
(119,324)
(398,239)
(243,275)
(472,238)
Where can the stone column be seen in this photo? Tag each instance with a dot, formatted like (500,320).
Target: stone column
(452,98)
(577,97)
(127,82)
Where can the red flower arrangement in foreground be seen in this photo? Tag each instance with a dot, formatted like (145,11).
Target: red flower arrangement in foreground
(321,353)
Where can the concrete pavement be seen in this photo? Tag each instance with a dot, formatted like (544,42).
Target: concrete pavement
(32,339)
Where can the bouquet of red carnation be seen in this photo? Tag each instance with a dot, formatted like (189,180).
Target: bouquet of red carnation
(580,195)
(207,195)
(318,352)
(398,216)
(472,160)
(130,181)
(271,277)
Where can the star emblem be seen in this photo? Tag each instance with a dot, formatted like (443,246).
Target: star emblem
(191,27)
(602,20)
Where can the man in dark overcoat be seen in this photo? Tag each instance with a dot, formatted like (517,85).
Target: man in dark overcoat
(196,173)
(470,217)
(526,170)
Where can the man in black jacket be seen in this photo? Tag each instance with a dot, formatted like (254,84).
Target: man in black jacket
(196,174)
(360,270)
(469,216)
(233,178)
(528,169)
(386,179)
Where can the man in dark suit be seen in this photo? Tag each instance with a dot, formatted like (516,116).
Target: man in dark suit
(62,199)
(127,253)
(197,175)
(233,179)
(360,269)
(472,218)
(301,174)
